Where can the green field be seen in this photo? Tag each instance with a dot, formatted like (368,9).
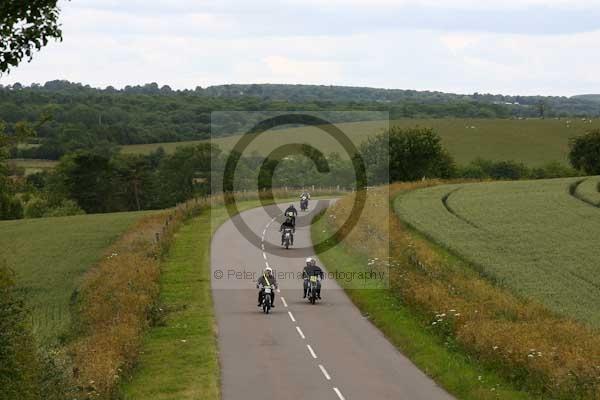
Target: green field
(33,166)
(50,255)
(588,190)
(459,374)
(535,237)
(533,141)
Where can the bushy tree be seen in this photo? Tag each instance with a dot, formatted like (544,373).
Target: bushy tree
(406,155)
(187,173)
(87,179)
(585,152)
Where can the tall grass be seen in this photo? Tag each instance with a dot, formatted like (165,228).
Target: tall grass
(535,349)
(117,301)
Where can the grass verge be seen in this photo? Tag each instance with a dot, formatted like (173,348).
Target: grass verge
(179,358)
(456,371)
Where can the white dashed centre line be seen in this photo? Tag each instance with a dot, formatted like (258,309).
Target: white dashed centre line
(312,352)
(310,349)
(324,371)
(339,394)
(291,316)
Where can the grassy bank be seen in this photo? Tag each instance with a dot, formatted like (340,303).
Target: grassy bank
(179,357)
(452,369)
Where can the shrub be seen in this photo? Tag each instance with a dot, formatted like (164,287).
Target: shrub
(36,207)
(585,152)
(553,170)
(18,358)
(65,208)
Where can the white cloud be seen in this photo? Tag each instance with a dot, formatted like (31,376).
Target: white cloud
(186,43)
(456,4)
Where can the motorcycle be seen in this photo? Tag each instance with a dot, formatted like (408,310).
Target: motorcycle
(287,237)
(266,300)
(312,289)
(304,203)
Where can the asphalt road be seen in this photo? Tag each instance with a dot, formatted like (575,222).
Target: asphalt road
(300,351)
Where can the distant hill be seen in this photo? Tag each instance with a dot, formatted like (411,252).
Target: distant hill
(523,106)
(83,117)
(588,97)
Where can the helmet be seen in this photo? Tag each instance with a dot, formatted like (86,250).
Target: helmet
(310,261)
(269,269)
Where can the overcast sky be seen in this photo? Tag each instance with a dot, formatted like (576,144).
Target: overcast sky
(549,47)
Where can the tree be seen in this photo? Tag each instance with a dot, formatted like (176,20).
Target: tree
(10,205)
(87,179)
(187,173)
(585,152)
(25,27)
(406,155)
(132,179)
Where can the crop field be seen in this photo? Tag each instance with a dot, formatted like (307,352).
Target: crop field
(33,166)
(49,255)
(538,238)
(533,142)
(588,190)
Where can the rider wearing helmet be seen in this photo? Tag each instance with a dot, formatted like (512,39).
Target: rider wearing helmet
(290,225)
(312,269)
(304,197)
(267,279)
(291,212)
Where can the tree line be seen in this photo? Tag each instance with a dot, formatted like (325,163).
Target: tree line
(81,117)
(86,181)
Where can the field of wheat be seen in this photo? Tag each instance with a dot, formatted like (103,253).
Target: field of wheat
(538,350)
(588,190)
(535,237)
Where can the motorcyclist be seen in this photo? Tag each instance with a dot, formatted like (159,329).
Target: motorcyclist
(290,225)
(312,269)
(305,196)
(292,213)
(267,279)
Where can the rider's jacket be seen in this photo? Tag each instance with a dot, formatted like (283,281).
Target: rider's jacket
(286,224)
(291,209)
(263,280)
(312,271)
